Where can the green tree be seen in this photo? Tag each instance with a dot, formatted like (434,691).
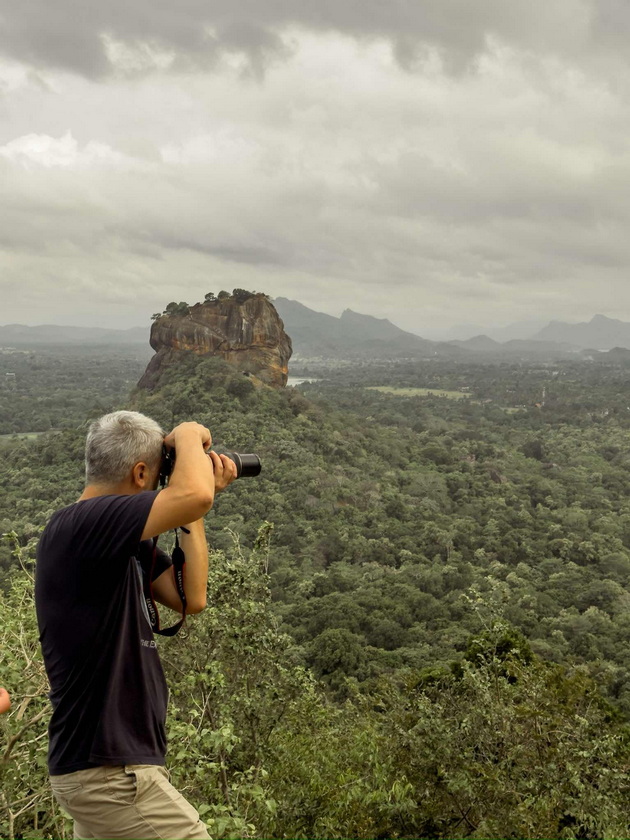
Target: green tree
(336,654)
(177,309)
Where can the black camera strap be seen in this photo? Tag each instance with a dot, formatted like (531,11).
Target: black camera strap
(179,562)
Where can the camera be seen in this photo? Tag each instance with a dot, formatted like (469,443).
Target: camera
(247,464)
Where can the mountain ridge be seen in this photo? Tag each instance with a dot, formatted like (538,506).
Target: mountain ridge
(600,333)
(317,334)
(355,335)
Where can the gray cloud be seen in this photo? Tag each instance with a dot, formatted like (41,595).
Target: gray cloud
(339,177)
(69,34)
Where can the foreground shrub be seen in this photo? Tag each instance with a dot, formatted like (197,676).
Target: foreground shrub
(501,745)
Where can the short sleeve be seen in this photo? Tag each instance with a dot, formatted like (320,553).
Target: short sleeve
(112,526)
(153,565)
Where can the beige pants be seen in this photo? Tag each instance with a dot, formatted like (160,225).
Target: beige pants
(135,801)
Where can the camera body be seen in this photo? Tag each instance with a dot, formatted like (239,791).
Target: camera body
(247,464)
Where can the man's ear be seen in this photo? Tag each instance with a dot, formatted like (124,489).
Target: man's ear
(141,475)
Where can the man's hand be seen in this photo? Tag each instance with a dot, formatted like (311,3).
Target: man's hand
(190,491)
(224,471)
(5,701)
(187,429)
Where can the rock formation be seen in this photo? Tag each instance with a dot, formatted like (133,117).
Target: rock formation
(244,329)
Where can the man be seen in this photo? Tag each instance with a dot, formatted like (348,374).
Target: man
(107,731)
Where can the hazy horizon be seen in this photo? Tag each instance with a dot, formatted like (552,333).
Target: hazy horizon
(462,331)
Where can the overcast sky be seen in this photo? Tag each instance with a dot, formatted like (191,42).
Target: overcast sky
(429,161)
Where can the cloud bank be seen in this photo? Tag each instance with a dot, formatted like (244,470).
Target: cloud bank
(420,161)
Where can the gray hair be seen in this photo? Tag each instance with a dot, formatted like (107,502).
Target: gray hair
(117,441)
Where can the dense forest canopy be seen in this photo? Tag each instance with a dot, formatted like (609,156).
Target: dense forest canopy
(58,388)
(413,607)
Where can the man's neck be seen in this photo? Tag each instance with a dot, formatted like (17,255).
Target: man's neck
(93,490)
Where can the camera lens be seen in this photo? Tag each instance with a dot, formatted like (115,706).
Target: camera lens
(247,465)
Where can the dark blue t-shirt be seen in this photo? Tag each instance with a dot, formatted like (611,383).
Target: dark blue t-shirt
(108,690)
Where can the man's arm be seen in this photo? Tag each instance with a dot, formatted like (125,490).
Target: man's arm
(195,550)
(190,491)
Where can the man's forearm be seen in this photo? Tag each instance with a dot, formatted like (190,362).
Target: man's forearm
(195,549)
(192,467)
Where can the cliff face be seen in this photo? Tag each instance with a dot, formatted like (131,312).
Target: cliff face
(247,333)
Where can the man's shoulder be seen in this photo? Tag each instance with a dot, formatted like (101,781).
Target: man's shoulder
(95,529)
(115,508)
(100,505)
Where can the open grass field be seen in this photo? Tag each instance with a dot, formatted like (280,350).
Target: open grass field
(419,392)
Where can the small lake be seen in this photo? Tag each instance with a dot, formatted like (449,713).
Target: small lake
(294,381)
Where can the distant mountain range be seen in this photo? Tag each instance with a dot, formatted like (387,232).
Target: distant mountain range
(315,334)
(354,336)
(600,333)
(481,345)
(523,330)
